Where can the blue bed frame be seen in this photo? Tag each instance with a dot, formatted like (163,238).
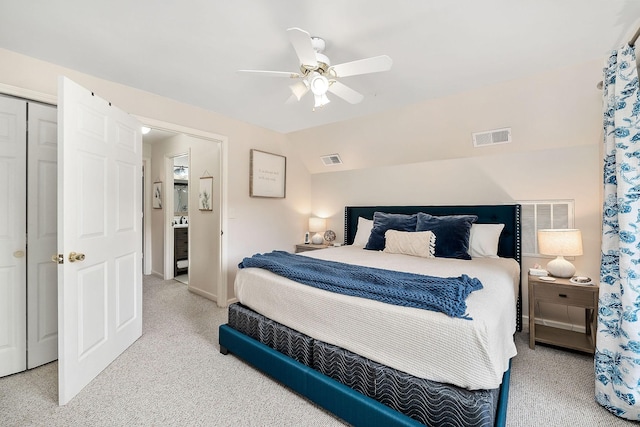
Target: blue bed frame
(350,405)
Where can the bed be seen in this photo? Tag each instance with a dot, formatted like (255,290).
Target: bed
(321,344)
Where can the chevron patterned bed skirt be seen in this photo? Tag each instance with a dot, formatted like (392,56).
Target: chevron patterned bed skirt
(428,402)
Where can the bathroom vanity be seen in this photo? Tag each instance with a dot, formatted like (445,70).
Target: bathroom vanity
(180,250)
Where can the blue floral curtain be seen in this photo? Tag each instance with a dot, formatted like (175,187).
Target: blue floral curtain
(617,358)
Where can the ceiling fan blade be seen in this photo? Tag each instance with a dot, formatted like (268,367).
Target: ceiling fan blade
(346,93)
(363,66)
(301,41)
(273,73)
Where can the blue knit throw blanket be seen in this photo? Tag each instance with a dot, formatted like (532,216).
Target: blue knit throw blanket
(443,294)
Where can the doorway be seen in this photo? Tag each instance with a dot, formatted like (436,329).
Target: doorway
(181,187)
(201,156)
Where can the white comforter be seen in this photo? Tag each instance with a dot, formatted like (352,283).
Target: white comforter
(472,354)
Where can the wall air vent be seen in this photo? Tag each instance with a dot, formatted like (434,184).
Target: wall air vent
(492,137)
(331,160)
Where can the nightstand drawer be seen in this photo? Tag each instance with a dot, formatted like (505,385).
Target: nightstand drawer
(562,295)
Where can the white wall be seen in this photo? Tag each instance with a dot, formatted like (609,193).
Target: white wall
(255,225)
(545,111)
(424,155)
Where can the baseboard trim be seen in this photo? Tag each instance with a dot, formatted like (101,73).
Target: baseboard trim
(202,293)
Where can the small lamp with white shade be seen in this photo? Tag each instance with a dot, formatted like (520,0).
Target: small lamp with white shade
(560,243)
(317,226)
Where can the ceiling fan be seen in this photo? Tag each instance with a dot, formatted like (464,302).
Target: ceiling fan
(318,76)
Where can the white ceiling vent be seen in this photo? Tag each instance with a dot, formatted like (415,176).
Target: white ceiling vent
(331,159)
(492,137)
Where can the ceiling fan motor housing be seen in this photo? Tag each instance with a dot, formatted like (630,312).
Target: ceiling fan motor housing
(323,62)
(318,44)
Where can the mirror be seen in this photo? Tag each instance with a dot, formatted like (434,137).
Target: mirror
(181,197)
(181,185)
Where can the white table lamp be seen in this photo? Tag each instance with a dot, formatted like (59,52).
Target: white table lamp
(560,243)
(317,225)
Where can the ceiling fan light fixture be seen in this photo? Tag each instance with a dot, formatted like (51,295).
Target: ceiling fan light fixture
(319,84)
(300,89)
(321,100)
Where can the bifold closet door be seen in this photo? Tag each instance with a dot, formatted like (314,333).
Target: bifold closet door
(13,260)
(42,226)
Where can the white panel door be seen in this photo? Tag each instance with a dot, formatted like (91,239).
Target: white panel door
(42,275)
(13,260)
(99,216)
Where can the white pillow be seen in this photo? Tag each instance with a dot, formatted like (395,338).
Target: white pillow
(414,243)
(363,232)
(483,240)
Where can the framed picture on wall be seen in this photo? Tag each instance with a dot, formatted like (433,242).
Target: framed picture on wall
(267,175)
(205,193)
(157,195)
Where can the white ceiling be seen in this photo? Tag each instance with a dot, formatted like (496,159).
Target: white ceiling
(190,50)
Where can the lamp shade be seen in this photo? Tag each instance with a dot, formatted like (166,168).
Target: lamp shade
(317,225)
(561,243)
(565,242)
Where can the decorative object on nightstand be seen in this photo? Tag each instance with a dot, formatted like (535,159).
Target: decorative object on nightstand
(581,280)
(560,243)
(329,236)
(563,292)
(317,226)
(536,270)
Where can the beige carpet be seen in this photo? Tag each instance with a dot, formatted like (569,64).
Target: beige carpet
(183,278)
(174,375)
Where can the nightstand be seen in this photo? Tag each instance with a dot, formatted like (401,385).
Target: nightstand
(562,291)
(309,247)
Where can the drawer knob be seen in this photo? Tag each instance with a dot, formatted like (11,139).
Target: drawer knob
(562,295)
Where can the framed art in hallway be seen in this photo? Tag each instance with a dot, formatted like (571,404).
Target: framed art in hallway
(204,195)
(267,175)
(157,195)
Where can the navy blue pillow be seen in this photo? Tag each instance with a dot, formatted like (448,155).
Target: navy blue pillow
(452,233)
(387,221)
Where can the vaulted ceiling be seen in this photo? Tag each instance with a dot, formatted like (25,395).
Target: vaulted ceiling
(191,50)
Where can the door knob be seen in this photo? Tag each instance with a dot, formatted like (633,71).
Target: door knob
(18,254)
(73,257)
